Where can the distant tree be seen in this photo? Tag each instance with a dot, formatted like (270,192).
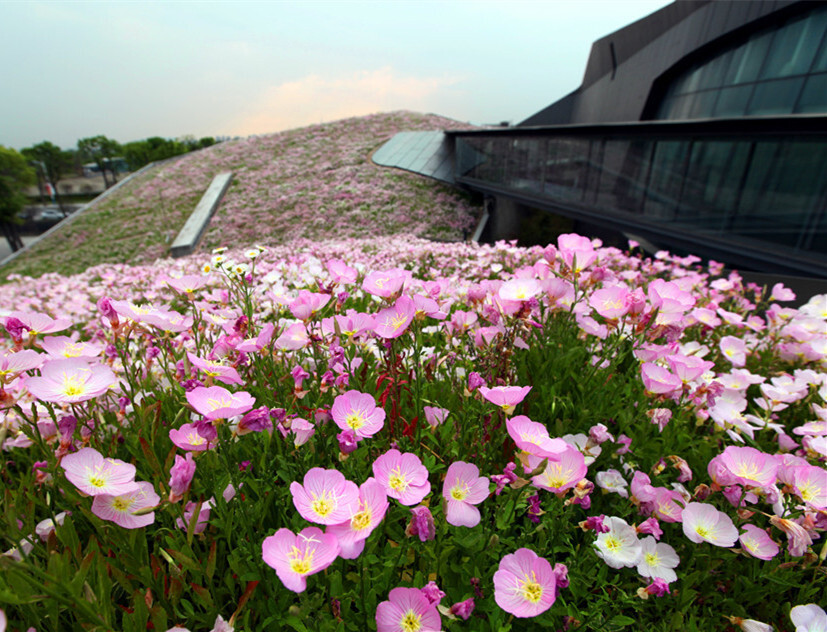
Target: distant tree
(15,176)
(102,151)
(51,162)
(206,141)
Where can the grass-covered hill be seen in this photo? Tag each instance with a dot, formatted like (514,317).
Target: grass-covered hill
(316,182)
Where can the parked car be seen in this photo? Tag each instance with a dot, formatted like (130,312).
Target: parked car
(49,214)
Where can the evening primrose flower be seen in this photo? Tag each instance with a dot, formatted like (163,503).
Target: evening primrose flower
(373,504)
(407,610)
(215,402)
(619,546)
(463,488)
(704,523)
(657,560)
(563,473)
(70,381)
(403,476)
(525,585)
(92,474)
(809,618)
(533,437)
(295,556)
(506,397)
(122,509)
(358,412)
(325,497)
(757,543)
(187,438)
(749,466)
(392,322)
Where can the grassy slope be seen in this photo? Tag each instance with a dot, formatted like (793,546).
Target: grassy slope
(315,182)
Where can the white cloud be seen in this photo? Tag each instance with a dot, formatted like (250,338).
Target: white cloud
(316,99)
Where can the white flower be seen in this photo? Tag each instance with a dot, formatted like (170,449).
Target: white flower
(657,560)
(619,546)
(612,481)
(809,618)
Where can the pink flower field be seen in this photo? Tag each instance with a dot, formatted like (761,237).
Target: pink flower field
(334,431)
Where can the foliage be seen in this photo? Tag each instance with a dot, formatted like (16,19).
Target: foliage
(142,152)
(15,175)
(285,326)
(102,151)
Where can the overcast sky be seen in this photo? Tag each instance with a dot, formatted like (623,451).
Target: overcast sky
(130,70)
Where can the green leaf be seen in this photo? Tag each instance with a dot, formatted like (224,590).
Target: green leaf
(621,621)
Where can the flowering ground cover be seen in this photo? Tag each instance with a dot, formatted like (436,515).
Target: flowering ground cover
(397,435)
(314,182)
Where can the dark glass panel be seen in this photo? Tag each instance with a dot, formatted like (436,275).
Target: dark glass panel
(566,168)
(775,97)
(702,104)
(733,101)
(794,46)
(814,96)
(748,59)
(713,72)
(663,189)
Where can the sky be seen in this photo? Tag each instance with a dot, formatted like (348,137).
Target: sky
(131,70)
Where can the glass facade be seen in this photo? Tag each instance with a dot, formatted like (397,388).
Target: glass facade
(760,192)
(775,71)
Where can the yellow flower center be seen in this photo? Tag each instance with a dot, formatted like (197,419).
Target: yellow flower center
(398,481)
(411,622)
(530,590)
(73,385)
(72,350)
(324,505)
(215,404)
(702,531)
(122,504)
(96,477)
(612,544)
(300,564)
(355,420)
(652,559)
(361,520)
(193,438)
(459,491)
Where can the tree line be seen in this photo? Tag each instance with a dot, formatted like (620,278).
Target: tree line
(47,164)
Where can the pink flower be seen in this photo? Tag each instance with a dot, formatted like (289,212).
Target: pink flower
(734,350)
(562,474)
(326,497)
(187,438)
(704,523)
(392,322)
(385,284)
(435,416)
(464,488)
(13,364)
(181,475)
(200,521)
(40,323)
(758,543)
(406,610)
(302,431)
(611,302)
(373,504)
(809,618)
(293,337)
(121,509)
(403,476)
(463,609)
(70,381)
(658,380)
(749,466)
(797,537)
(294,557)
(340,272)
(810,484)
(519,289)
(533,437)
(216,369)
(506,397)
(432,592)
(215,402)
(66,347)
(358,412)
(422,524)
(525,584)
(92,474)
(307,304)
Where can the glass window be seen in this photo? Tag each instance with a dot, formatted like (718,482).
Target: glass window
(703,104)
(666,180)
(814,96)
(748,59)
(794,46)
(733,101)
(775,97)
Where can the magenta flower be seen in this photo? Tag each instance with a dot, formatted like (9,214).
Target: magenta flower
(181,474)
(358,412)
(385,283)
(373,504)
(121,509)
(422,524)
(435,416)
(532,437)
(464,488)
(407,610)
(215,402)
(562,474)
(392,322)
(187,438)
(326,497)
(70,381)
(758,543)
(704,523)
(525,584)
(506,397)
(463,609)
(92,474)
(403,476)
(294,557)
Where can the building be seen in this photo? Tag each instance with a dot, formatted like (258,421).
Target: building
(700,128)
